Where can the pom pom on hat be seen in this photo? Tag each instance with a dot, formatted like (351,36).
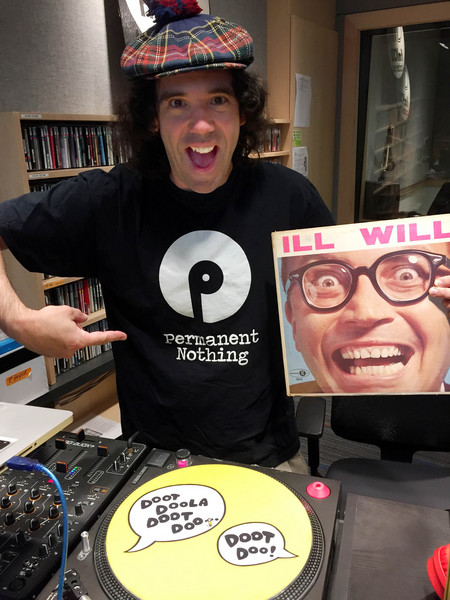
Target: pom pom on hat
(184,40)
(166,11)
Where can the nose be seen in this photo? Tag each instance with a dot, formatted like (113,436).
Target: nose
(366,307)
(201,120)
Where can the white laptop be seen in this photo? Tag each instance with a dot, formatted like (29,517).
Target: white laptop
(24,427)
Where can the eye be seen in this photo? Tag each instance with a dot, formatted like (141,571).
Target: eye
(176,103)
(325,286)
(406,274)
(409,276)
(327,276)
(219,100)
(326,281)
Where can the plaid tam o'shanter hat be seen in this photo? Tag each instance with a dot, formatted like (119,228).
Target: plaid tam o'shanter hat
(184,40)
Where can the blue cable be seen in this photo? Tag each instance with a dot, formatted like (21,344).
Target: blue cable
(20,463)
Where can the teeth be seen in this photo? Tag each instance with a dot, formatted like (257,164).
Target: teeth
(371,352)
(202,149)
(378,370)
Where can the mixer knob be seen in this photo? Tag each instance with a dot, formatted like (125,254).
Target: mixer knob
(12,488)
(53,512)
(19,538)
(52,540)
(35,493)
(116,465)
(122,457)
(43,550)
(5,502)
(28,507)
(34,524)
(79,509)
(56,499)
(10,519)
(60,529)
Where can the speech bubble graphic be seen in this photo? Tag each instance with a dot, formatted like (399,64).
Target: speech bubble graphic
(250,544)
(175,512)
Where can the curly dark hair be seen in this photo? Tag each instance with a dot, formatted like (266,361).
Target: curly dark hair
(146,150)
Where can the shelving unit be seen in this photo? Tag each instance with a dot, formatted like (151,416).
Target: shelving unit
(284,152)
(16,180)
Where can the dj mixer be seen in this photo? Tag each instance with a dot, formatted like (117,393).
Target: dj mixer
(91,472)
(183,528)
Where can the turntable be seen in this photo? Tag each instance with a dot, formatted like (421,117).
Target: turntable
(212,530)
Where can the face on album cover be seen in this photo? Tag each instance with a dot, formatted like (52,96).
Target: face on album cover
(355,311)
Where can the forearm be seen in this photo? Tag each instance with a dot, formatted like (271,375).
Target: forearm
(53,330)
(13,313)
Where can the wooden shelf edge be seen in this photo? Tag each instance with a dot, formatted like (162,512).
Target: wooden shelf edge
(277,153)
(63,173)
(94,317)
(40,116)
(53,282)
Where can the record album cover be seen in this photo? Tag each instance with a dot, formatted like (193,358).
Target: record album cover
(355,312)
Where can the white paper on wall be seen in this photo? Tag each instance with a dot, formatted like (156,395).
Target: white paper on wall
(300,160)
(302,100)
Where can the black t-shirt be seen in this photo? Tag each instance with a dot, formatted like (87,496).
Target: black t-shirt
(190,278)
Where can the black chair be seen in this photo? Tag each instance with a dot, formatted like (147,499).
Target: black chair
(399,426)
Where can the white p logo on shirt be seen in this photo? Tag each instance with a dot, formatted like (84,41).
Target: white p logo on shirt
(205,275)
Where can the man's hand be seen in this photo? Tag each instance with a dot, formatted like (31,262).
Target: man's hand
(441,289)
(54,331)
(57,331)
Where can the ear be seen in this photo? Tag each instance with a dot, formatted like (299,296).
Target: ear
(293,323)
(154,127)
(242,121)
(289,313)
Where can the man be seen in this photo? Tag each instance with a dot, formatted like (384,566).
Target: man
(363,320)
(181,243)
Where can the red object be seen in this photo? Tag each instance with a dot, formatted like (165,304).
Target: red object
(437,567)
(318,490)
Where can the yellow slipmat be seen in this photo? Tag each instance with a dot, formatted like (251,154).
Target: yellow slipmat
(212,532)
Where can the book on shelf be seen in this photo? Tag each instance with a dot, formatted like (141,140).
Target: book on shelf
(49,147)
(83,355)
(84,294)
(272,140)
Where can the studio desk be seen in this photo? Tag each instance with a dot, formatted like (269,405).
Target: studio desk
(152,525)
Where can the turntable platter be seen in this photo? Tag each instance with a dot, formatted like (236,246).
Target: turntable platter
(211,531)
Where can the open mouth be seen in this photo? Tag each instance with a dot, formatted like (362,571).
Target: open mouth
(202,157)
(372,360)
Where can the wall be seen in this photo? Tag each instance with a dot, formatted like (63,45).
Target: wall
(63,55)
(344,7)
(252,15)
(302,39)
(58,56)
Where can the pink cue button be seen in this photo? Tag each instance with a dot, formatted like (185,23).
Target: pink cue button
(318,490)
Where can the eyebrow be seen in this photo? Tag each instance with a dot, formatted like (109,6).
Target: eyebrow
(174,93)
